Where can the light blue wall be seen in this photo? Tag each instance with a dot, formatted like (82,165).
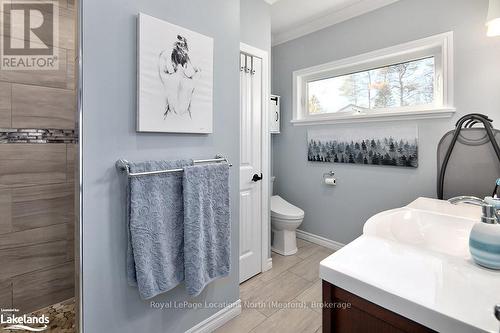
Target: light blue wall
(338,213)
(255,16)
(109,101)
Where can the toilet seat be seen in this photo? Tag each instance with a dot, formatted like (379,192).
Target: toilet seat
(284,210)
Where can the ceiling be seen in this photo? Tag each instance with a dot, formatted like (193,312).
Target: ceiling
(291,19)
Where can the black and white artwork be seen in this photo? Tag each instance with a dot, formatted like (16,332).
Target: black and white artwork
(175,78)
(387,146)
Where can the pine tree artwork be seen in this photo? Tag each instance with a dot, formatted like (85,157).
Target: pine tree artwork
(385,146)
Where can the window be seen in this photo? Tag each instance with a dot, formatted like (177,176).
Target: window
(412,80)
(407,84)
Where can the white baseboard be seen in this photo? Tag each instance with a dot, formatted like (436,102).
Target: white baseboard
(328,243)
(218,319)
(284,253)
(267,265)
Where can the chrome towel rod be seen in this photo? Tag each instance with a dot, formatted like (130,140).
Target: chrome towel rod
(123,165)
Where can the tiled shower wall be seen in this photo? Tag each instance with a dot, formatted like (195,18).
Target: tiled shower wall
(37,192)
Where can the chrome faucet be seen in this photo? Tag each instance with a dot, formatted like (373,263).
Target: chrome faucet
(490,214)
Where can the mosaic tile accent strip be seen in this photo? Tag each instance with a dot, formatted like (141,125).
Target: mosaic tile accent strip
(29,135)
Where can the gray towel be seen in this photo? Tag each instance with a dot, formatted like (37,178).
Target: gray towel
(155,258)
(207,225)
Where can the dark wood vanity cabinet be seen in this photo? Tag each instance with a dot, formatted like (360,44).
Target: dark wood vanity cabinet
(361,316)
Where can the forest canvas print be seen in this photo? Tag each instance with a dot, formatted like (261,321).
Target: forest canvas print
(175,78)
(387,146)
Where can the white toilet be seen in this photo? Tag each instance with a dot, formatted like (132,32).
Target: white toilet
(285,219)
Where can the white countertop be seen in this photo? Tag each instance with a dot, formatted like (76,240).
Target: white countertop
(443,292)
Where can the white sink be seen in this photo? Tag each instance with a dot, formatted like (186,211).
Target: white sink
(415,261)
(428,224)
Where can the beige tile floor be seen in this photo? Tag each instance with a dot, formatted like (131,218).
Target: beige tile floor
(294,284)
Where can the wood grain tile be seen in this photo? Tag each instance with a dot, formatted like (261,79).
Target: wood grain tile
(244,323)
(36,206)
(312,296)
(5,294)
(66,22)
(32,164)
(5,209)
(262,290)
(282,289)
(27,259)
(36,201)
(48,78)
(76,225)
(37,289)
(71,69)
(280,264)
(309,267)
(42,107)
(307,250)
(70,253)
(62,3)
(71,162)
(291,321)
(5,104)
(58,232)
(71,229)
(302,243)
(247,288)
(70,236)
(66,28)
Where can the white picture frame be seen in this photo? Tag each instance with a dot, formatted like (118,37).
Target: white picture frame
(174,78)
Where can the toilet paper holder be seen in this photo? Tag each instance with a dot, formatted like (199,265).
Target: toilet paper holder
(329,178)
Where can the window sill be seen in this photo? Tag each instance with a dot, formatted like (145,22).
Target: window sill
(375,117)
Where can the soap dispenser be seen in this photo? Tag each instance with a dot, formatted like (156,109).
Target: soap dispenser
(484,239)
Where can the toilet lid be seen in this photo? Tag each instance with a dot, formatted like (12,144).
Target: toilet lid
(285,210)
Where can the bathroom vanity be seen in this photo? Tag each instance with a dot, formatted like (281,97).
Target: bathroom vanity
(411,271)
(362,315)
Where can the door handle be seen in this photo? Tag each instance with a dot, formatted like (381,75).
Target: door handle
(256,177)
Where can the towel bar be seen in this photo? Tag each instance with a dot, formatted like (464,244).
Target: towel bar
(123,165)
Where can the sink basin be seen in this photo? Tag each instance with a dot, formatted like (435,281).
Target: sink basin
(429,224)
(415,261)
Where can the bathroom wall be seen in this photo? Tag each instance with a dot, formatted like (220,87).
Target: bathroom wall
(338,213)
(37,149)
(109,113)
(255,24)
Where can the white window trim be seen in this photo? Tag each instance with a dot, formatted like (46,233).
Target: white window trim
(441,46)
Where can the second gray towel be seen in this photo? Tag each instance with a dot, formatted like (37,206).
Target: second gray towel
(155,261)
(207,225)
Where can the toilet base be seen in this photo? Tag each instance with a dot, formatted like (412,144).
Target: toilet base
(284,242)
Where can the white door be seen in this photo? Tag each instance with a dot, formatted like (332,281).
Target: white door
(251,166)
